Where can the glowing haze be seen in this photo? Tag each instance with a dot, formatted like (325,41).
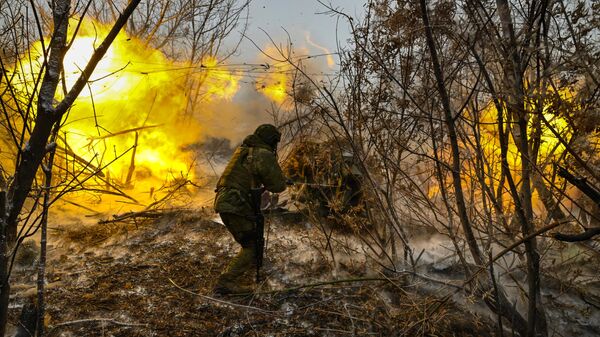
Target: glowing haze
(139,110)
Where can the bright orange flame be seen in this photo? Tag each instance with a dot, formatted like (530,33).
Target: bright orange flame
(275,82)
(136,97)
(275,87)
(290,70)
(550,147)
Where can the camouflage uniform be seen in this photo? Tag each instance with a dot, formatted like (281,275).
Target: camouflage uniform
(253,163)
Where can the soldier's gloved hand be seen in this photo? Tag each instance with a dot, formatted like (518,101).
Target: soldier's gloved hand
(289,182)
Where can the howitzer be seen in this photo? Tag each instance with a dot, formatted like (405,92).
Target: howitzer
(259,220)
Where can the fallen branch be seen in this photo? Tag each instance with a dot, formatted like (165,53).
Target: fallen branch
(363,279)
(433,280)
(313,285)
(241,306)
(97,320)
(148,214)
(131,215)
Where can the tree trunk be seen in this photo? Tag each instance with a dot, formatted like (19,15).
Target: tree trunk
(5,290)
(500,303)
(43,237)
(27,320)
(47,116)
(523,200)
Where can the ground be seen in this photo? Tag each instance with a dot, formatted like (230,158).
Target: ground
(154,278)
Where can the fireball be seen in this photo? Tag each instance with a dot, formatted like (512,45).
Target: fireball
(137,111)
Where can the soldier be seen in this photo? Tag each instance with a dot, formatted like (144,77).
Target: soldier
(254,163)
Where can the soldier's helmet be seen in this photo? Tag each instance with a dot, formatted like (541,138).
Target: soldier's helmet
(269,134)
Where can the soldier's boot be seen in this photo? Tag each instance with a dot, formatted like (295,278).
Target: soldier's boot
(232,288)
(232,280)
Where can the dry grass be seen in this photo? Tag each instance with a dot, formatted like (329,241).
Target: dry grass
(116,282)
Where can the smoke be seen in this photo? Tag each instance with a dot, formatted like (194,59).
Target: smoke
(326,52)
(264,96)
(236,118)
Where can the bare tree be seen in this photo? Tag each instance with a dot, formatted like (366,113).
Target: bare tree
(461,110)
(35,104)
(31,142)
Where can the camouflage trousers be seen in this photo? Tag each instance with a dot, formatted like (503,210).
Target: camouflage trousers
(244,233)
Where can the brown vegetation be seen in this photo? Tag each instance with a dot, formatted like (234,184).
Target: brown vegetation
(156,281)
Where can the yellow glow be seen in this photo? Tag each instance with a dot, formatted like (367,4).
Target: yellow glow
(550,147)
(276,82)
(275,88)
(135,90)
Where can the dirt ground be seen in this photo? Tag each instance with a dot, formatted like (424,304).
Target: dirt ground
(154,278)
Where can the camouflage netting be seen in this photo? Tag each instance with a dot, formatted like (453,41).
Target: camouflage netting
(328,178)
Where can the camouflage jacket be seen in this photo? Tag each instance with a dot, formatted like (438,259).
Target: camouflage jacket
(253,160)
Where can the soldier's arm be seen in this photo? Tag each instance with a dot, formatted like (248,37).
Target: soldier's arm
(270,172)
